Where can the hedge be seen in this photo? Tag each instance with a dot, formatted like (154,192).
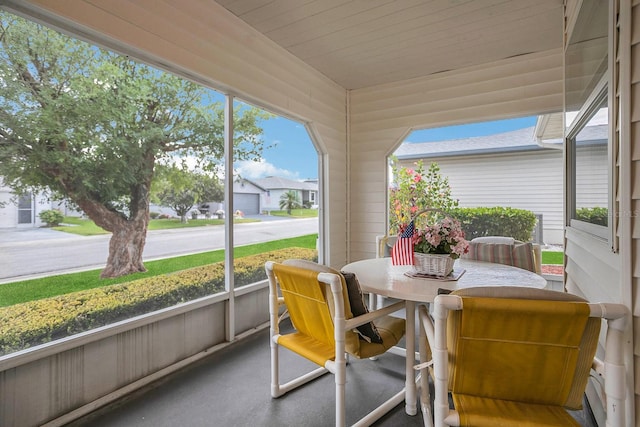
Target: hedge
(37,322)
(598,215)
(496,221)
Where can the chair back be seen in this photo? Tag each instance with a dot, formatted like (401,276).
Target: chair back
(536,349)
(306,302)
(312,306)
(384,244)
(506,250)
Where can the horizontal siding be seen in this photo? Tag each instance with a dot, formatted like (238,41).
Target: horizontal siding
(635,193)
(383,115)
(531,181)
(53,385)
(593,271)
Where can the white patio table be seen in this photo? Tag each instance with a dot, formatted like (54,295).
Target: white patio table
(379,276)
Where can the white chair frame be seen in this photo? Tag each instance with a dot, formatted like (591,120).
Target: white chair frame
(338,366)
(612,368)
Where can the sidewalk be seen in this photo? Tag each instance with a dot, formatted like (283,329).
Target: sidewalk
(33,233)
(27,234)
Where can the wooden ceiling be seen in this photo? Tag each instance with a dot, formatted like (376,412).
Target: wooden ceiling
(361,43)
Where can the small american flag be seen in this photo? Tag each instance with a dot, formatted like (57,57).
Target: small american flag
(402,251)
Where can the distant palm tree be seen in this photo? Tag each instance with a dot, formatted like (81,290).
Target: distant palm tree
(289,201)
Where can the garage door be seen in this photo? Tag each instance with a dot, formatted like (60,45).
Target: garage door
(249,204)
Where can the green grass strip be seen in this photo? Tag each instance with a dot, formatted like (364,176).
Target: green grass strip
(34,289)
(552,257)
(297,213)
(86,227)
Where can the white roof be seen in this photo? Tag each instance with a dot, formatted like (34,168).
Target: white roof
(518,140)
(277,183)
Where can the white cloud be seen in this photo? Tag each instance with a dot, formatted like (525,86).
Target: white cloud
(255,170)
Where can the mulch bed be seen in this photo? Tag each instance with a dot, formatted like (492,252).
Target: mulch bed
(552,269)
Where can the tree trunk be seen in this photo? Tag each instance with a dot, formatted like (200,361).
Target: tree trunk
(128,237)
(125,251)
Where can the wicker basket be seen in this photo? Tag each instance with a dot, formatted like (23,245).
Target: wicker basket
(440,265)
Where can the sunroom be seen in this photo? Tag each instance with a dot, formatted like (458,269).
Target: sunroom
(360,76)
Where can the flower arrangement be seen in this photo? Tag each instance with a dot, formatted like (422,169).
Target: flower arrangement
(443,237)
(414,188)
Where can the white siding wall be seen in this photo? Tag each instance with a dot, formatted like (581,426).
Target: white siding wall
(530,180)
(221,51)
(382,116)
(9,209)
(593,270)
(634,164)
(8,213)
(274,199)
(592,188)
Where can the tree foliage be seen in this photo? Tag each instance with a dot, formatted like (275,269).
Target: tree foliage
(90,125)
(182,189)
(415,189)
(289,201)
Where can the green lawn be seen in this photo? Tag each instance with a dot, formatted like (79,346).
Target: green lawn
(552,257)
(28,290)
(86,227)
(297,213)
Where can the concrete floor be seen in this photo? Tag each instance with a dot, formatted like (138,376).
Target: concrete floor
(232,388)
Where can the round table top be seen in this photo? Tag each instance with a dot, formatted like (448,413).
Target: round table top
(379,276)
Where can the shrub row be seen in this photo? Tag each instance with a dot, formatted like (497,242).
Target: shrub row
(496,221)
(598,215)
(37,322)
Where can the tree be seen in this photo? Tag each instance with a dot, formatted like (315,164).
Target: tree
(415,189)
(181,189)
(89,125)
(289,201)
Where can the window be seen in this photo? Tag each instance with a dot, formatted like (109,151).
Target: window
(25,212)
(152,147)
(587,121)
(496,164)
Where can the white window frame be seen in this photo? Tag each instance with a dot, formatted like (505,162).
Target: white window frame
(587,111)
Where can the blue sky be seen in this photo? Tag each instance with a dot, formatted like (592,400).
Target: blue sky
(294,157)
(291,155)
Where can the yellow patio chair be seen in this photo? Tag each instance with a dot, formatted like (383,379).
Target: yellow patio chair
(521,357)
(317,300)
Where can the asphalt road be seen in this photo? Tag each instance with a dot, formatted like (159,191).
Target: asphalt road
(33,253)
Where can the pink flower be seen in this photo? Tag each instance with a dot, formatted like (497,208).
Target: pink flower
(443,237)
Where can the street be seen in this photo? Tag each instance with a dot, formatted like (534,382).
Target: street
(22,258)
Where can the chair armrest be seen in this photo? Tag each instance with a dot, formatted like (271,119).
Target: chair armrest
(371,316)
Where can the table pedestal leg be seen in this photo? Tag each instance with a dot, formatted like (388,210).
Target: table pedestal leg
(410,380)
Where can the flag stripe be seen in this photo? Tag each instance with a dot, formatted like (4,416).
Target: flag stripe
(402,251)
